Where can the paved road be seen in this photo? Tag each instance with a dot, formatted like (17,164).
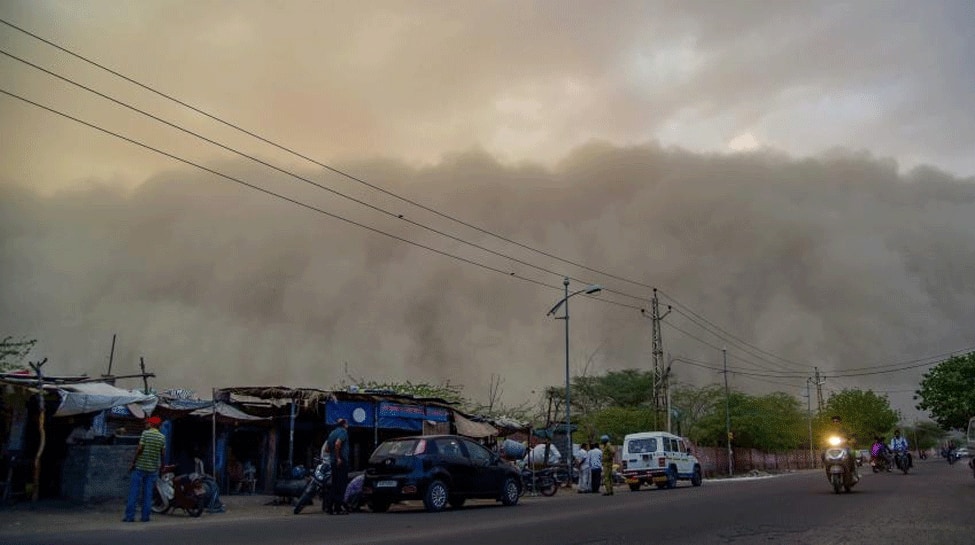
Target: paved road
(932,505)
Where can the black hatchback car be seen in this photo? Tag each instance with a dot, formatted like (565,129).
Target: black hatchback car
(440,470)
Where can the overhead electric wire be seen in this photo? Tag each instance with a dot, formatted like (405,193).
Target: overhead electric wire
(289,199)
(369,185)
(321,164)
(702,341)
(778,366)
(680,305)
(721,333)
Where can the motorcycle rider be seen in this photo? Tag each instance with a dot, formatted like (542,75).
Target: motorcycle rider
(899,444)
(840,431)
(879,451)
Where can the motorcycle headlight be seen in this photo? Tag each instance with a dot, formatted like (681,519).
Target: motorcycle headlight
(835,441)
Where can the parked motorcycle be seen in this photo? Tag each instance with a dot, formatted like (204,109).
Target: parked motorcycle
(539,481)
(902,461)
(186,492)
(318,484)
(840,466)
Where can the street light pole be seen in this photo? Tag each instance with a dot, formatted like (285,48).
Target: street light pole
(727,410)
(590,290)
(568,402)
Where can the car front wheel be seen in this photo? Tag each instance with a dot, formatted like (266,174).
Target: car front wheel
(509,492)
(436,496)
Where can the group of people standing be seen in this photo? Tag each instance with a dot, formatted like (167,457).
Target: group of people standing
(595,463)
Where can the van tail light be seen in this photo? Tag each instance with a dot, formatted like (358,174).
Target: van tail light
(661,462)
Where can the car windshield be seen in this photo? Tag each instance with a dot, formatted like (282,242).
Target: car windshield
(404,447)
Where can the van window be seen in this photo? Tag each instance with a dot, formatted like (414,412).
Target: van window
(639,446)
(681,446)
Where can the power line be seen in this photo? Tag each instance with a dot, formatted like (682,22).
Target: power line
(777,366)
(291,200)
(736,339)
(367,184)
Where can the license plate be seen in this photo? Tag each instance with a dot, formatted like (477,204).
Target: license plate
(386,484)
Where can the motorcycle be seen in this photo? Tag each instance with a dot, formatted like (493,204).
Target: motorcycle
(839,464)
(880,463)
(902,460)
(541,481)
(952,456)
(186,492)
(318,484)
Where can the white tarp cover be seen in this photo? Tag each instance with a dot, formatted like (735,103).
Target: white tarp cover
(226,411)
(93,397)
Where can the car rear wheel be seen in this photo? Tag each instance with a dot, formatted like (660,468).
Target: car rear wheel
(456,501)
(510,492)
(435,498)
(634,486)
(379,506)
(672,477)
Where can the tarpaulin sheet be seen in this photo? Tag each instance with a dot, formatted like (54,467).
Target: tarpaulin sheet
(469,428)
(92,397)
(227,411)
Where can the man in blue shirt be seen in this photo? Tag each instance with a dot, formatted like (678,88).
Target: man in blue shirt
(899,446)
(337,446)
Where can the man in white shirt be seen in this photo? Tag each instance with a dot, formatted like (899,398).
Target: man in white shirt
(582,459)
(595,467)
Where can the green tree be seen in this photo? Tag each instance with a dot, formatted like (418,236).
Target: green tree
(616,422)
(925,435)
(948,391)
(13,352)
(691,405)
(864,415)
(771,422)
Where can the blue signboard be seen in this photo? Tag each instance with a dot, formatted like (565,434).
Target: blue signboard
(357,413)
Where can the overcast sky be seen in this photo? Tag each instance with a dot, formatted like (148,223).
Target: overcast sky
(798,173)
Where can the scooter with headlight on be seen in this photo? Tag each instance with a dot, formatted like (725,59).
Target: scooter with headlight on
(840,466)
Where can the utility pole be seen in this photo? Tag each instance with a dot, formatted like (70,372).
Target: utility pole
(660,380)
(819,391)
(812,459)
(727,411)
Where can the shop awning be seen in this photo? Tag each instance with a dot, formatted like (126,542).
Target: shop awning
(469,428)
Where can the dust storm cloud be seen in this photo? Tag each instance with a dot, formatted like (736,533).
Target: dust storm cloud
(837,260)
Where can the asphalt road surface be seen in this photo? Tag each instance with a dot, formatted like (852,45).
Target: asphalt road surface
(932,505)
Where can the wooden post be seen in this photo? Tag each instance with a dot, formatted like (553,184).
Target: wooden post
(145,377)
(40,423)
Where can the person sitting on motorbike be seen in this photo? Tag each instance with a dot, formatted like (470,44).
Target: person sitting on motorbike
(848,439)
(899,445)
(879,452)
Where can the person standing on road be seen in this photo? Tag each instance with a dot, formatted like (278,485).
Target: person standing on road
(145,468)
(609,455)
(585,484)
(337,446)
(595,467)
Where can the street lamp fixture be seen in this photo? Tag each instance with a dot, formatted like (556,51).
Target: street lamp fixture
(589,290)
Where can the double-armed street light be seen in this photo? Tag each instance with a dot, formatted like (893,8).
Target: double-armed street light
(589,290)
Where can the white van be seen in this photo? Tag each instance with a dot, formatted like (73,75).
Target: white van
(658,457)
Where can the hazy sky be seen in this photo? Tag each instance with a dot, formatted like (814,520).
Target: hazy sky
(798,173)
